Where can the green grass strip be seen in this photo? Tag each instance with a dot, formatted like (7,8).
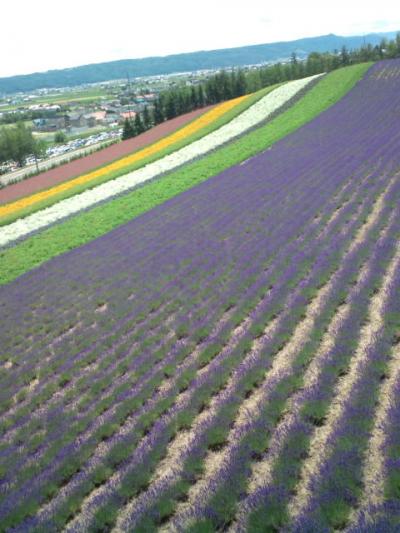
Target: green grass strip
(221,121)
(91,224)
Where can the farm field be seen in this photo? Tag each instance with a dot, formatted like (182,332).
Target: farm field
(219,125)
(127,156)
(218,350)
(91,224)
(84,164)
(68,97)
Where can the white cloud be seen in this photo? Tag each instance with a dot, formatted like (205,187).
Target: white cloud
(45,34)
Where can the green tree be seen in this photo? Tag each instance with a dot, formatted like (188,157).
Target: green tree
(25,143)
(182,102)
(39,150)
(201,98)
(314,63)
(345,56)
(5,145)
(138,124)
(194,102)
(171,105)
(158,113)
(253,80)
(225,86)
(128,130)
(147,122)
(391,50)
(17,143)
(60,137)
(212,91)
(240,83)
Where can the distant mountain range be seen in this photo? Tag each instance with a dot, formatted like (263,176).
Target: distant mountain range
(150,66)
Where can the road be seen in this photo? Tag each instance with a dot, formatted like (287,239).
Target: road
(21,173)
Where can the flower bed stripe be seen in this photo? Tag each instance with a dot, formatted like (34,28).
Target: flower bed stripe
(184,132)
(248,119)
(224,119)
(89,225)
(230,266)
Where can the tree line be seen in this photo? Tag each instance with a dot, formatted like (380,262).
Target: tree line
(17,143)
(226,85)
(175,102)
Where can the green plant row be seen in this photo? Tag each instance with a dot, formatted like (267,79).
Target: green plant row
(102,219)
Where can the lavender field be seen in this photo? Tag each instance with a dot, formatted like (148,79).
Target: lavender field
(228,361)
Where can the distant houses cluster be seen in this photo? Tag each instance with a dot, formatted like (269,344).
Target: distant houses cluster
(122,101)
(107,114)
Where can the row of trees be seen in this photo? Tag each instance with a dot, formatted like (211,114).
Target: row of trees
(17,143)
(226,85)
(320,62)
(175,102)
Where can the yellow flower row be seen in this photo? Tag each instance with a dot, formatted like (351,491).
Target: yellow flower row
(203,121)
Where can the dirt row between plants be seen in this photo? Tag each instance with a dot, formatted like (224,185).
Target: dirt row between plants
(90,162)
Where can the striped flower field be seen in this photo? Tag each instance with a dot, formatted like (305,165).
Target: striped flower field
(228,360)
(246,120)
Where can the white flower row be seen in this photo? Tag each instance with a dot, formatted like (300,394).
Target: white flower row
(246,120)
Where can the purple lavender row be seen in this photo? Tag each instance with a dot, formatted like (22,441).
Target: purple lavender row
(136,362)
(115,348)
(383,514)
(63,347)
(227,355)
(337,487)
(59,433)
(289,443)
(237,458)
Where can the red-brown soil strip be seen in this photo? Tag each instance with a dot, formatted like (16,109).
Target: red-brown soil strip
(88,163)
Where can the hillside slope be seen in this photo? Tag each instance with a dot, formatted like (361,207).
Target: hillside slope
(90,224)
(229,359)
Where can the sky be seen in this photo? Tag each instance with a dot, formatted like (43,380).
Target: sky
(41,35)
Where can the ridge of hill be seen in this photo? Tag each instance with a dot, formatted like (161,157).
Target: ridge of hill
(149,66)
